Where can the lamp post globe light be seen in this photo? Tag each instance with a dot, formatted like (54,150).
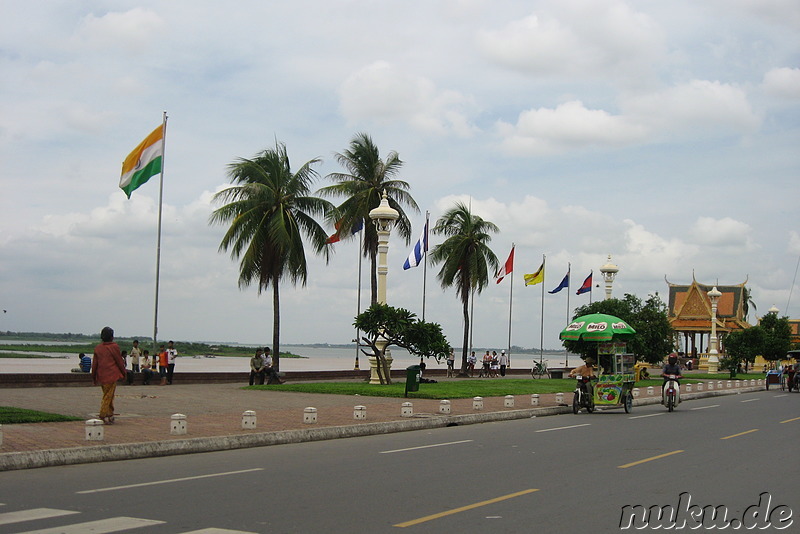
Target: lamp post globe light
(384,217)
(609,271)
(713,354)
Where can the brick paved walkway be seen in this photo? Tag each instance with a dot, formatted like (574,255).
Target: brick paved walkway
(211,411)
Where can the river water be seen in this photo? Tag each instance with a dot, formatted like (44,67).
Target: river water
(314,359)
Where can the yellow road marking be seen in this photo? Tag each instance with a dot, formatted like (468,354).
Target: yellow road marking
(740,434)
(649,459)
(464,508)
(790,420)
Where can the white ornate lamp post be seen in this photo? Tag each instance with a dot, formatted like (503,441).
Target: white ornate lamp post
(384,217)
(609,271)
(713,354)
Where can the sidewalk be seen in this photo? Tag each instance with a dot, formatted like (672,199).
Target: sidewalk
(214,420)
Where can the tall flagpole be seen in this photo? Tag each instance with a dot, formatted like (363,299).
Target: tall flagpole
(569,280)
(510,302)
(425,264)
(158,243)
(541,333)
(358,305)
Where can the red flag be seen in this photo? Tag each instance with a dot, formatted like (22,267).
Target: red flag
(507,268)
(586,287)
(336,236)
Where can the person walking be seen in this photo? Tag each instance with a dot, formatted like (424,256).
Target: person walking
(107,368)
(451,363)
(503,362)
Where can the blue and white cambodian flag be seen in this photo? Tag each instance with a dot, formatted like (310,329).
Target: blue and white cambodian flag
(419,250)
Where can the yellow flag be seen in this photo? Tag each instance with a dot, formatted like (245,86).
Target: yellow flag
(535,278)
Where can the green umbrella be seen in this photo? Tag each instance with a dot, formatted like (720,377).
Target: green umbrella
(597,327)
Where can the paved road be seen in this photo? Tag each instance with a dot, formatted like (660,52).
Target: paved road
(539,474)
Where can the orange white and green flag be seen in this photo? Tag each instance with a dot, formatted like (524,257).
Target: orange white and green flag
(144,162)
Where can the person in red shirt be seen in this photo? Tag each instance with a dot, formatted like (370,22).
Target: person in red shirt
(162,364)
(107,368)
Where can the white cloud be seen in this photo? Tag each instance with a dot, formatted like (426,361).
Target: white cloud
(380,92)
(569,126)
(134,31)
(695,107)
(724,232)
(603,40)
(783,82)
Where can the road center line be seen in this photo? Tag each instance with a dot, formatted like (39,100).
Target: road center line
(563,427)
(750,400)
(790,420)
(705,407)
(427,446)
(649,459)
(648,415)
(463,508)
(740,434)
(779,396)
(170,481)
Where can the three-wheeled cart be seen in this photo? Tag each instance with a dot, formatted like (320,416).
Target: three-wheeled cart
(614,386)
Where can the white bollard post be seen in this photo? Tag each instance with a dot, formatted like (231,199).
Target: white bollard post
(444,407)
(477,403)
(360,412)
(728,384)
(94,430)
(560,398)
(509,402)
(719,384)
(649,391)
(407,409)
(699,386)
(636,393)
(177,424)
(753,382)
(738,383)
(710,386)
(249,420)
(310,415)
(535,399)
(688,388)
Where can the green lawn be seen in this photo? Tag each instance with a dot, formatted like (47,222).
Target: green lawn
(10,416)
(464,389)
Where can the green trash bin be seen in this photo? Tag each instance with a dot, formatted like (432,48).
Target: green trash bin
(413,374)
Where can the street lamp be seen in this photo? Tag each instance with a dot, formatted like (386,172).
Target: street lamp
(609,271)
(384,217)
(713,358)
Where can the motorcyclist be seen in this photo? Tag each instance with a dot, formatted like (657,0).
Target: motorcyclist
(586,371)
(671,368)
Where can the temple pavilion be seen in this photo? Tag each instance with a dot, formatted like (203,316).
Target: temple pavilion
(690,316)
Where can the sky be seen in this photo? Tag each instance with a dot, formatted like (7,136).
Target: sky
(663,133)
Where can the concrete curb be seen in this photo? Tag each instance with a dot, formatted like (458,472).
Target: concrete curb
(105,453)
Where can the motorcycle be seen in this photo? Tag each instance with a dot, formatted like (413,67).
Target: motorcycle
(671,392)
(583,397)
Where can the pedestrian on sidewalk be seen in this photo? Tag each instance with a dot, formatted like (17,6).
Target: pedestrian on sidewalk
(162,365)
(107,368)
(451,363)
(503,362)
(172,354)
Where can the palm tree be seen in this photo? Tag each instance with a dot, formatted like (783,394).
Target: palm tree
(466,259)
(363,185)
(269,210)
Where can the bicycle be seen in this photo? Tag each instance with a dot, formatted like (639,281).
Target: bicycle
(539,370)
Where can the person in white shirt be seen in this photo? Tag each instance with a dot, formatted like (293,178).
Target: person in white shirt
(172,354)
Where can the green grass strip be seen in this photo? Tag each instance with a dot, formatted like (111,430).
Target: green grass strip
(11,416)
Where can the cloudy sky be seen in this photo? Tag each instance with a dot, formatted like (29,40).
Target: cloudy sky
(663,133)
